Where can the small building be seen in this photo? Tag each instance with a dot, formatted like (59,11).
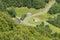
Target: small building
(36,19)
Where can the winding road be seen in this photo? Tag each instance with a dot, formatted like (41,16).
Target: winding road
(44,10)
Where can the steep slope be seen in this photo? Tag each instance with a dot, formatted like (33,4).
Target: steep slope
(10,30)
(44,10)
(6,23)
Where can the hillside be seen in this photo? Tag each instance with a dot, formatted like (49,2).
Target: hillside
(30,20)
(8,26)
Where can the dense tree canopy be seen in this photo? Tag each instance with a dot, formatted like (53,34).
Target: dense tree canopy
(11,12)
(20,3)
(55,21)
(6,23)
(55,9)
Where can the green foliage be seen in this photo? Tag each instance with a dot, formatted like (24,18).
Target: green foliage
(56,36)
(26,3)
(23,16)
(38,4)
(35,3)
(46,1)
(11,12)
(10,30)
(55,21)
(2,7)
(15,3)
(6,23)
(58,1)
(48,29)
(55,9)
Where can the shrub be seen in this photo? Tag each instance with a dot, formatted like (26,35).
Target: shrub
(12,12)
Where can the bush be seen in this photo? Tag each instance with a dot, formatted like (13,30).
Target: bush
(46,1)
(2,7)
(54,9)
(6,23)
(56,35)
(55,21)
(58,1)
(23,16)
(12,12)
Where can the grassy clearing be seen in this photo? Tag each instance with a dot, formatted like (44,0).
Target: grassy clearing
(44,17)
(24,10)
(54,28)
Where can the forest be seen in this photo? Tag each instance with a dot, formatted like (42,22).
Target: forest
(29,19)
